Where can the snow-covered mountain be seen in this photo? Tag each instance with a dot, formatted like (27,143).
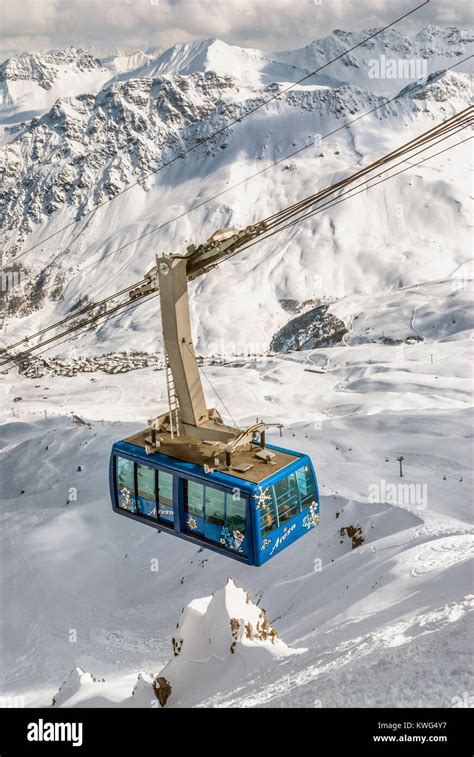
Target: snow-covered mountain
(87,148)
(244,65)
(368,310)
(30,84)
(431,49)
(120,61)
(217,640)
(380,621)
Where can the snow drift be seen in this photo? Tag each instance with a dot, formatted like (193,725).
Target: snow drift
(218,640)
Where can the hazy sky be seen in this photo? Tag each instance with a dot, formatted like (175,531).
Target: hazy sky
(35,25)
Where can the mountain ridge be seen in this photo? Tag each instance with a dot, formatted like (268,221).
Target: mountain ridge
(93,145)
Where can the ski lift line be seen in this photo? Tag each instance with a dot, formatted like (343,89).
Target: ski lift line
(248,178)
(370,178)
(241,182)
(429,145)
(447,127)
(404,149)
(220,131)
(331,203)
(70,317)
(85,326)
(427,137)
(80,327)
(353,193)
(68,338)
(364,185)
(216,392)
(347,195)
(344,197)
(463,116)
(72,329)
(431,136)
(364,181)
(258,173)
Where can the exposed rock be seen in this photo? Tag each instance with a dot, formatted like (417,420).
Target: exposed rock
(162,689)
(220,640)
(225,635)
(45,68)
(315,328)
(355,535)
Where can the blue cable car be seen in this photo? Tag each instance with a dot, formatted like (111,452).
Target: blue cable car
(190,474)
(249,513)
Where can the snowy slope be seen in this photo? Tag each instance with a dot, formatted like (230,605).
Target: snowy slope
(31,84)
(120,61)
(411,229)
(431,49)
(383,624)
(245,65)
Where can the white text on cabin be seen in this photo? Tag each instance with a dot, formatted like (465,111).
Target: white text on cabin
(282,538)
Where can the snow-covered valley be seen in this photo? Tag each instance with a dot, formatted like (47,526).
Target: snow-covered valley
(383,624)
(376,294)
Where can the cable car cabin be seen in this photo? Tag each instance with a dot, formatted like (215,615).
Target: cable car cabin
(249,512)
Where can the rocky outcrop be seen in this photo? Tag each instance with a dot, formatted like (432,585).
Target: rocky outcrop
(44,69)
(219,641)
(315,328)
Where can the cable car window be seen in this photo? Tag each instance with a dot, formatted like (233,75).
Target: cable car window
(146,491)
(306,488)
(268,515)
(165,485)
(236,513)
(126,484)
(215,505)
(195,499)
(287,498)
(165,496)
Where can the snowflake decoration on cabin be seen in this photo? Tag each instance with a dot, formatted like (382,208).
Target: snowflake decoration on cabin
(266,542)
(262,497)
(238,539)
(191,523)
(232,539)
(312,518)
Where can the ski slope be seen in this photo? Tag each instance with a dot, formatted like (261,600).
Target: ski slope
(382,624)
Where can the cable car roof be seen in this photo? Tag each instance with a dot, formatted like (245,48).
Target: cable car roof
(200,453)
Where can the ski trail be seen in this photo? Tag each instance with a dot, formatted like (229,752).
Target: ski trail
(414,328)
(392,635)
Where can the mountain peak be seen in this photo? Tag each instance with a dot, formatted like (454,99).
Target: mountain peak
(227,634)
(219,640)
(45,68)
